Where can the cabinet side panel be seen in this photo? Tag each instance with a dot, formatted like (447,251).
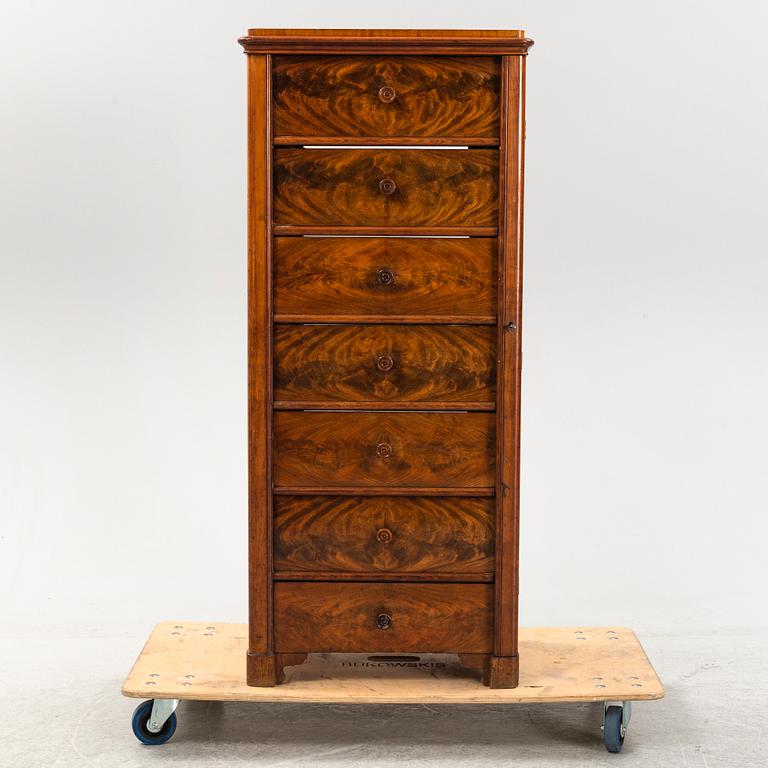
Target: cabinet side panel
(259,356)
(509,352)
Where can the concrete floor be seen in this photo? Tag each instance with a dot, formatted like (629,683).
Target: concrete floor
(60,705)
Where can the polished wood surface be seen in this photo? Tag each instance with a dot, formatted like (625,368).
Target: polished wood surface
(447,450)
(459,35)
(504,670)
(259,369)
(384,490)
(386,96)
(383,230)
(364,278)
(388,141)
(389,187)
(384,338)
(374,617)
(374,363)
(267,669)
(385,405)
(373,537)
(386,41)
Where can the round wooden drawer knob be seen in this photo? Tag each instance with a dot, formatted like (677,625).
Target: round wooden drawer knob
(387,94)
(387,186)
(385,363)
(383,621)
(385,277)
(384,535)
(383,450)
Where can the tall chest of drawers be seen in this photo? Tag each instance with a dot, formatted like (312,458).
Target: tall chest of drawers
(385,227)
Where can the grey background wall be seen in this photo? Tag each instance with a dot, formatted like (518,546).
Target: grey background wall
(122,308)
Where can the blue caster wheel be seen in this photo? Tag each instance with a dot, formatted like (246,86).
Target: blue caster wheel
(614,729)
(140,725)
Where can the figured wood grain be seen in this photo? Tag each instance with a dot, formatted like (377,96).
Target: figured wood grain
(342,187)
(342,276)
(430,96)
(367,537)
(387,141)
(371,446)
(387,363)
(446,450)
(384,319)
(414,577)
(323,617)
(384,405)
(384,230)
(382,490)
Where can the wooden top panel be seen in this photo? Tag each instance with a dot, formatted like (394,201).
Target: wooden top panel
(555,665)
(448,41)
(453,34)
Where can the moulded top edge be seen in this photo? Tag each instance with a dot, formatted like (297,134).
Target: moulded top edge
(492,41)
(453,34)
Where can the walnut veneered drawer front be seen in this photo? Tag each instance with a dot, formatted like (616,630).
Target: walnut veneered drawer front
(386,188)
(368,277)
(317,98)
(317,617)
(349,537)
(419,364)
(373,450)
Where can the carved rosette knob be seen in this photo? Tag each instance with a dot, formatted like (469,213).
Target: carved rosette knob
(387,186)
(383,621)
(383,450)
(384,535)
(387,94)
(385,277)
(385,363)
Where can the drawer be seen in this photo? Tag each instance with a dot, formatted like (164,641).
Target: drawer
(364,449)
(317,617)
(318,364)
(385,276)
(347,537)
(386,96)
(386,188)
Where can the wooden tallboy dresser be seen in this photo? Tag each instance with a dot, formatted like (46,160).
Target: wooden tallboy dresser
(385,183)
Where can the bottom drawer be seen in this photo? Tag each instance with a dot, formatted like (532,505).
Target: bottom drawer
(315,617)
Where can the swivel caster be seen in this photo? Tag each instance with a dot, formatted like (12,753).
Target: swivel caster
(615,724)
(154,721)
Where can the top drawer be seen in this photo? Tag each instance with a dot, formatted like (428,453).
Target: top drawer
(324,99)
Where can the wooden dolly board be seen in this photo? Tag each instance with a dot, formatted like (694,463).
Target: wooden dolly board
(206,662)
